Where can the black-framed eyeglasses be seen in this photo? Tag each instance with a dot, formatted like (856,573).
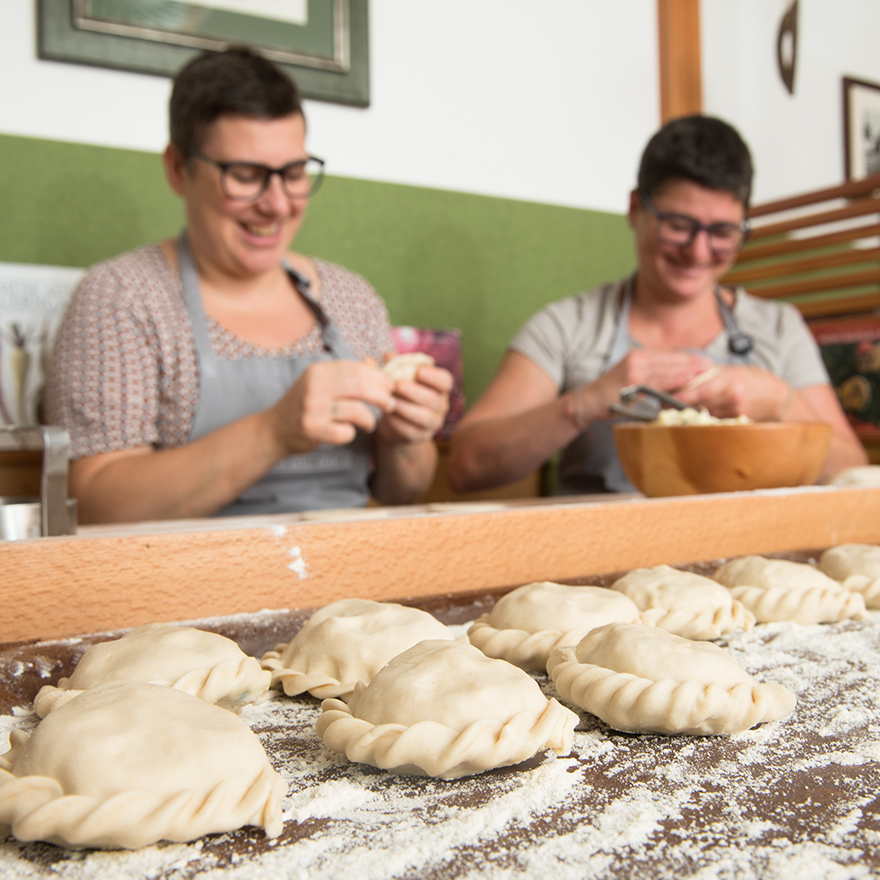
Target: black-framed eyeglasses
(246,181)
(681,230)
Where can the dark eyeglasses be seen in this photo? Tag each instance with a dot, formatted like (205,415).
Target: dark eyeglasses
(681,230)
(246,181)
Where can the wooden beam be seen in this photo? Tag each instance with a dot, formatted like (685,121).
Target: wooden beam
(681,87)
(55,587)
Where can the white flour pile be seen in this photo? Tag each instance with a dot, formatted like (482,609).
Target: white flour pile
(792,799)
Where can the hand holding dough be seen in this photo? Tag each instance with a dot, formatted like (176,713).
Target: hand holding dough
(207,665)
(857,567)
(346,642)
(777,589)
(683,602)
(126,764)
(641,678)
(444,709)
(528,622)
(403,367)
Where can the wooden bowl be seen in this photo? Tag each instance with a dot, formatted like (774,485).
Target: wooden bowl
(696,459)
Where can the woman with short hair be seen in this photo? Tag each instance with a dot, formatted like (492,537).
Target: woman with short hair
(670,326)
(219,373)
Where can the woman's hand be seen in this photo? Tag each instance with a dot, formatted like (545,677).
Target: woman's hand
(664,370)
(420,407)
(329,402)
(728,392)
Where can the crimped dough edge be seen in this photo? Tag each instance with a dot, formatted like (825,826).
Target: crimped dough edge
(36,808)
(633,704)
(528,650)
(230,684)
(294,682)
(868,588)
(429,748)
(810,606)
(701,625)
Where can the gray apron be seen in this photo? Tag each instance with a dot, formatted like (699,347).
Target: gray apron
(589,464)
(329,476)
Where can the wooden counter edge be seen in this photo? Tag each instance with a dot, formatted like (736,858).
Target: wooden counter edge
(56,587)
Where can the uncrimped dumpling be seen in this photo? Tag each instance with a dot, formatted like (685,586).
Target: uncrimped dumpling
(683,602)
(444,709)
(640,678)
(857,567)
(528,622)
(346,642)
(126,764)
(204,664)
(778,589)
(403,367)
(866,475)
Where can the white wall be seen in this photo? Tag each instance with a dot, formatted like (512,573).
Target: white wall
(797,140)
(544,100)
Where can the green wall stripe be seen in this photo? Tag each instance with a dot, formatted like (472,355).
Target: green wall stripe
(438,258)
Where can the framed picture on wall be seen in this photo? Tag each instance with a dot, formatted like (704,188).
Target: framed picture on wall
(323,44)
(861,128)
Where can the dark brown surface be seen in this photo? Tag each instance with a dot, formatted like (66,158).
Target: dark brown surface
(790,804)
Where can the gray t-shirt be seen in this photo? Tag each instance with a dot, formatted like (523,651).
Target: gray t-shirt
(570,340)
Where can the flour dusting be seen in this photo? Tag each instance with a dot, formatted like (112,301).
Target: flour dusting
(797,798)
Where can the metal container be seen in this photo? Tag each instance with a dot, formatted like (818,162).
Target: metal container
(51,512)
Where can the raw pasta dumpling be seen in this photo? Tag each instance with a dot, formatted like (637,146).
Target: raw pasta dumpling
(126,764)
(346,642)
(683,602)
(857,567)
(863,475)
(207,665)
(528,622)
(778,589)
(403,367)
(444,709)
(640,678)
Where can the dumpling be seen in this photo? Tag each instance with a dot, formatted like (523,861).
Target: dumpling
(528,622)
(403,367)
(346,642)
(777,589)
(207,665)
(444,709)
(683,602)
(863,475)
(857,567)
(641,678)
(126,764)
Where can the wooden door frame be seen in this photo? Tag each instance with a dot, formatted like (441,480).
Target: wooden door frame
(678,29)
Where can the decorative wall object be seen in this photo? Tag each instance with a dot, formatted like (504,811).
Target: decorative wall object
(786,45)
(861,128)
(322,43)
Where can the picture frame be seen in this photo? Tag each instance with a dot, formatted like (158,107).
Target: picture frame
(323,44)
(861,128)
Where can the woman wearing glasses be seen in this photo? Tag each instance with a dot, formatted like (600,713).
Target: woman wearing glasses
(219,373)
(670,326)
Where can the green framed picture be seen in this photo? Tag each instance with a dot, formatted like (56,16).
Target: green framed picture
(323,44)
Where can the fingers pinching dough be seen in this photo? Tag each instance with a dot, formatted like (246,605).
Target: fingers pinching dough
(640,678)
(777,589)
(528,622)
(207,665)
(683,602)
(126,764)
(346,642)
(444,709)
(857,567)
(403,367)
